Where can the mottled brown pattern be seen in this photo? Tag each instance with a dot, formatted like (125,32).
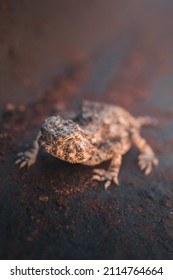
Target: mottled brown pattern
(99,132)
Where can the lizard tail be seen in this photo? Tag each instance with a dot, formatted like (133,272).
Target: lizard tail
(147,121)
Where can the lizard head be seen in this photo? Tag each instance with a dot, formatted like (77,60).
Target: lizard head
(66,140)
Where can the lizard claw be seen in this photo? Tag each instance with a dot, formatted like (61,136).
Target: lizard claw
(107,184)
(146,162)
(26,159)
(107,176)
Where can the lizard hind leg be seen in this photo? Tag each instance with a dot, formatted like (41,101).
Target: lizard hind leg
(147,121)
(110,175)
(146,158)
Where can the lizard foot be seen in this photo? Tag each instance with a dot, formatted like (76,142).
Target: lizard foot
(146,162)
(107,176)
(26,158)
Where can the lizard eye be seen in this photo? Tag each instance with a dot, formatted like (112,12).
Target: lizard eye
(69,139)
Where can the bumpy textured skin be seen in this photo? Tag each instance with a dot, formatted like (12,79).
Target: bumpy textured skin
(98,133)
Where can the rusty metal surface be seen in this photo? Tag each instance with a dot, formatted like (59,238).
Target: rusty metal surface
(54,57)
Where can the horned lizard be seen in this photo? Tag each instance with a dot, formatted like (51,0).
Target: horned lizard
(99,132)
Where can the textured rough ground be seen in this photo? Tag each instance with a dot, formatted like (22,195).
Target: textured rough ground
(53,210)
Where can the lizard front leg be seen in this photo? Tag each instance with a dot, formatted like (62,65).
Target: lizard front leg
(28,158)
(147,158)
(110,175)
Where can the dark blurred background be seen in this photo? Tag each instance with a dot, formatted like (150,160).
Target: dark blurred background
(53,54)
(128,46)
